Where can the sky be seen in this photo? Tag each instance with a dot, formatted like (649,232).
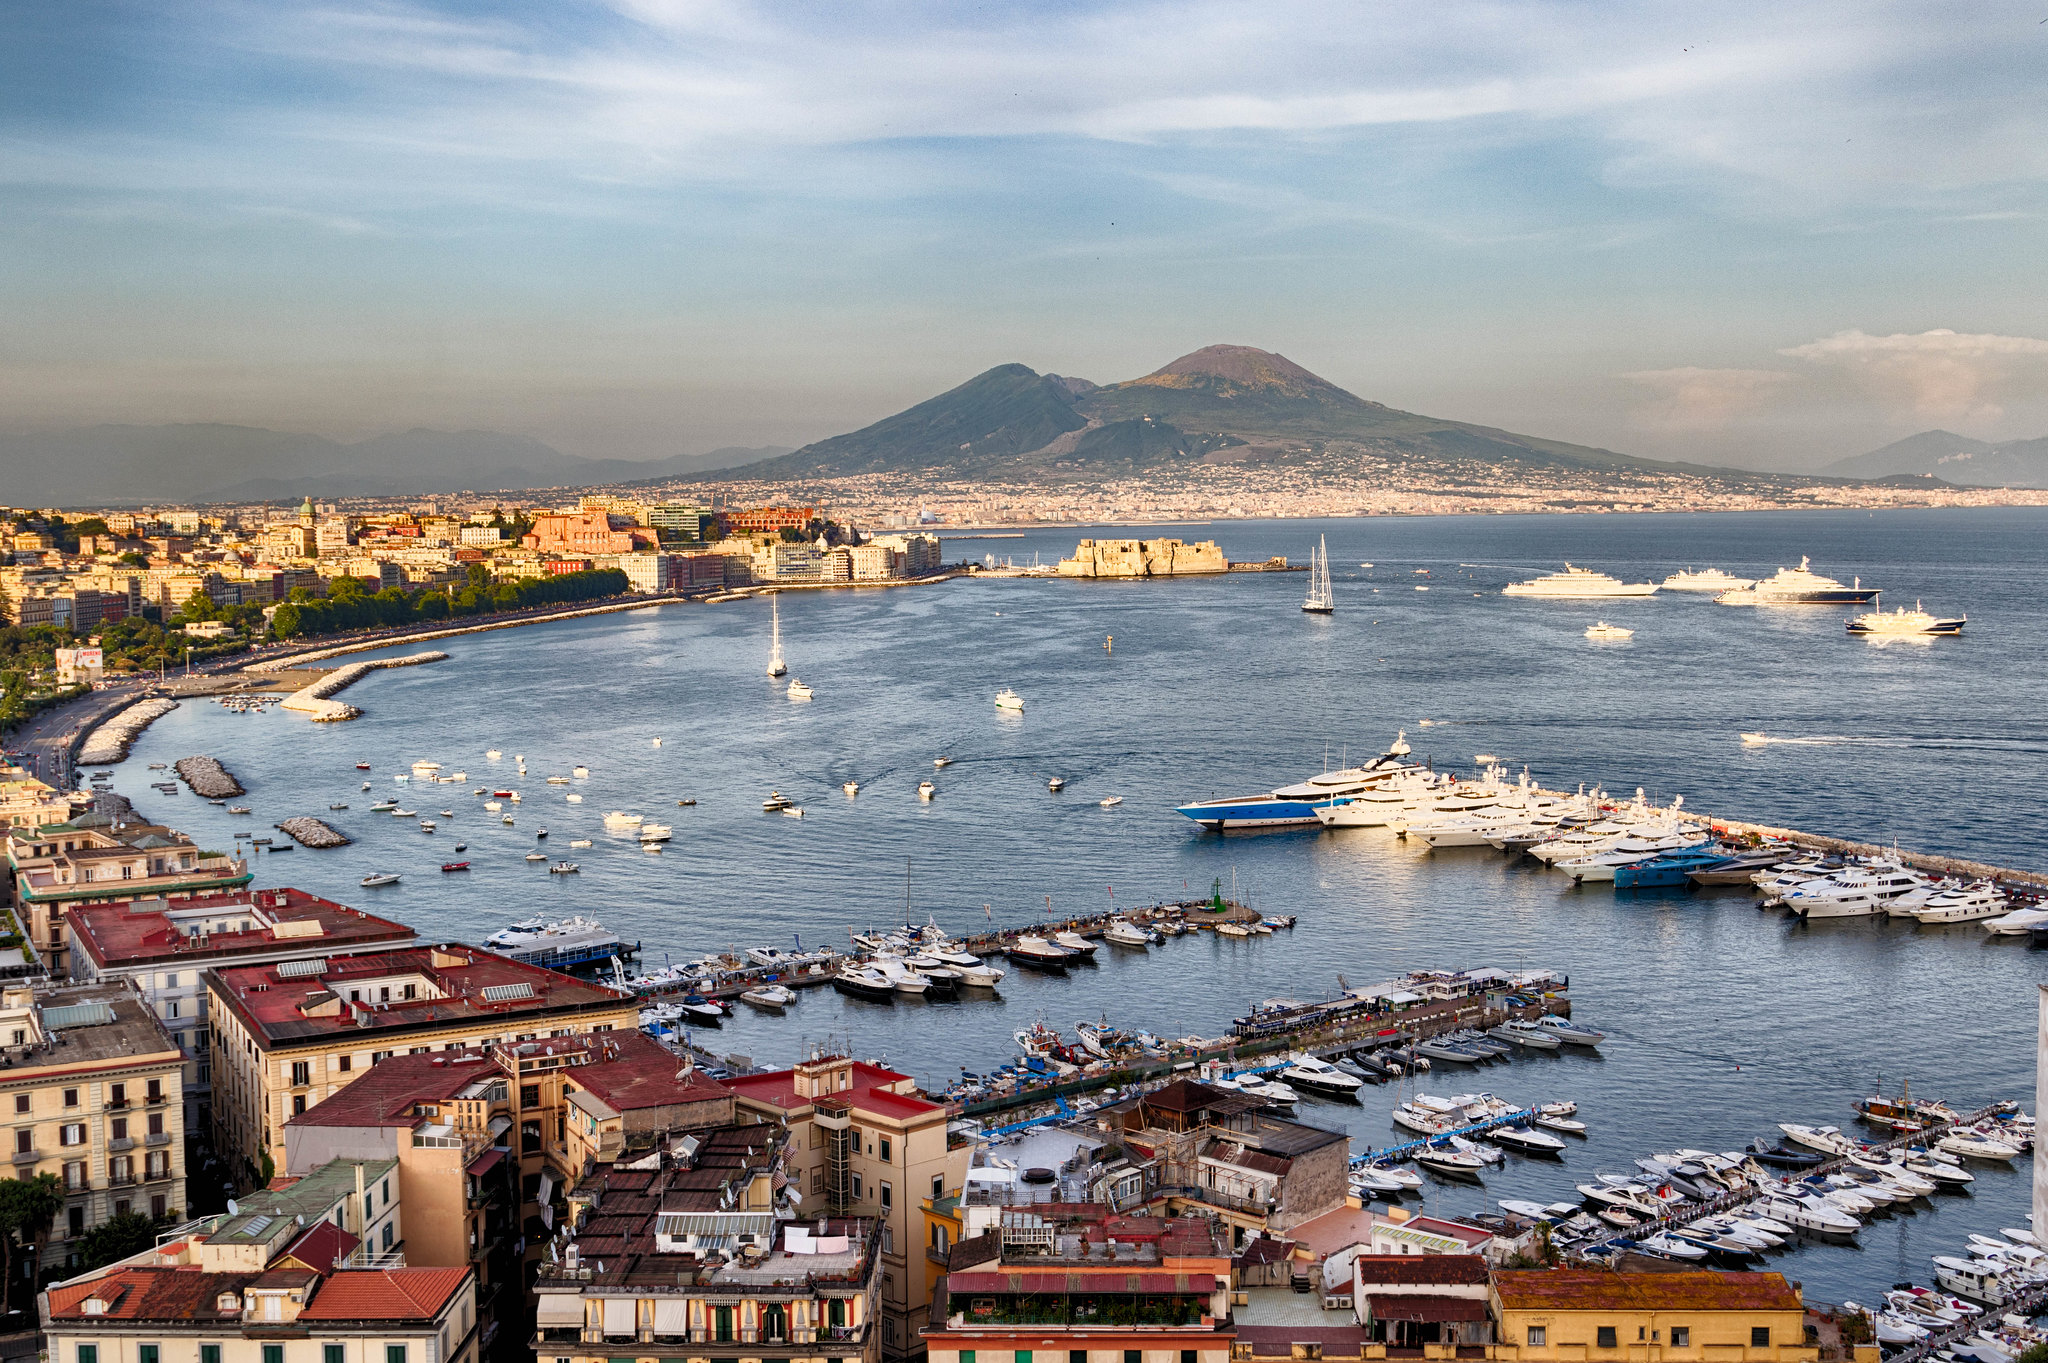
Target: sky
(1768,234)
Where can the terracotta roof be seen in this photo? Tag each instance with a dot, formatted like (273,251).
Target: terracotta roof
(386,1094)
(631,1070)
(1420,1270)
(321,1247)
(386,1294)
(1264,1250)
(1572,1289)
(1425,1306)
(869,1092)
(129,932)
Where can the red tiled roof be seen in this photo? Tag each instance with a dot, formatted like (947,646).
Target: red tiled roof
(1425,1306)
(152,1294)
(630,1070)
(385,1095)
(321,1247)
(869,1091)
(1575,1289)
(385,1294)
(130,932)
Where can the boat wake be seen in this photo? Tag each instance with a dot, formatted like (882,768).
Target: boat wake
(1761,740)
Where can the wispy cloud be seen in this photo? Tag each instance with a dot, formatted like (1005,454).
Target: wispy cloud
(1939,374)
(1689,399)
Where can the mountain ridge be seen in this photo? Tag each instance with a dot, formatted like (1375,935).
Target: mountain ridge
(1959,459)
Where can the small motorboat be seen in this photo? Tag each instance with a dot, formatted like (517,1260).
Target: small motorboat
(536,856)
(579,842)
(788,812)
(540,832)
(337,806)
(1111,802)
(1764,1151)
(685,804)
(507,819)
(1448,1163)
(925,790)
(238,809)
(405,814)
(1056,783)
(447,813)
(454,866)
(371,882)
(942,762)
(366,785)
(564,868)
(428,825)
(773,996)
(799,691)
(360,766)
(1603,630)
(851,788)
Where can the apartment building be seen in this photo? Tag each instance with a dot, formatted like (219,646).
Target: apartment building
(95,859)
(166,945)
(863,1142)
(91,1083)
(286,1036)
(1542,1315)
(1079,1281)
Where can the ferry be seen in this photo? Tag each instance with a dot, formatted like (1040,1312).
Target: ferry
(1799,586)
(560,944)
(1297,804)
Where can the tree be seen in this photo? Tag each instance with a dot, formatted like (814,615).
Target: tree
(135,560)
(199,606)
(115,1239)
(28,1207)
(91,525)
(285,622)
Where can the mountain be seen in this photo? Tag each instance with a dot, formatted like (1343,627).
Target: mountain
(208,463)
(1955,459)
(1223,403)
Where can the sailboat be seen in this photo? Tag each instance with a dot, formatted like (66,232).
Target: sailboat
(1320,599)
(776,667)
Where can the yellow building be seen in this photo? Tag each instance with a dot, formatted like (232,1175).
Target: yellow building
(90,860)
(289,1034)
(864,1143)
(94,1088)
(1593,1315)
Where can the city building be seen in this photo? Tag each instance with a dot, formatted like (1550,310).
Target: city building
(289,1035)
(863,1142)
(917,555)
(1542,1315)
(165,945)
(91,1082)
(789,563)
(647,572)
(563,534)
(195,1301)
(95,859)
(689,1259)
(1410,1301)
(1078,1281)
(681,524)
(1142,558)
(769,520)
(28,802)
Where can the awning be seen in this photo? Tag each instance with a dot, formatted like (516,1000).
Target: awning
(500,1124)
(1096,1283)
(484,1163)
(547,1187)
(618,1316)
(559,1309)
(671,1317)
(1424,1306)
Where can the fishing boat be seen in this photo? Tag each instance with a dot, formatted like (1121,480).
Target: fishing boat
(1320,600)
(776,667)
(372,881)
(454,866)
(1006,699)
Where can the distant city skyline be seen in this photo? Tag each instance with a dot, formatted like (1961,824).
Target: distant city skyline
(1767,236)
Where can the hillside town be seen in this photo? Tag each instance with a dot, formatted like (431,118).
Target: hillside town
(254,1114)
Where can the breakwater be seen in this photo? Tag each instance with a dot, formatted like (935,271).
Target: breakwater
(109,742)
(314,700)
(311,832)
(207,777)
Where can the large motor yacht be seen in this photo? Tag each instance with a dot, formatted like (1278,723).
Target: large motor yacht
(1902,623)
(1578,582)
(1799,586)
(1705,580)
(1298,804)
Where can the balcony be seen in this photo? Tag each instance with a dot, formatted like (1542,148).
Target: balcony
(27,1156)
(159,1099)
(116,1104)
(121,1181)
(121,1143)
(158,1138)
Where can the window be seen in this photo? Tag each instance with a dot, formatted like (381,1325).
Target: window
(24,1142)
(1759,1336)
(387,1235)
(71,1133)
(1537,1335)
(1130,1356)
(1681,1336)
(967,1356)
(384,993)
(1187,1356)
(817,1182)
(174,1008)
(857,1194)
(71,1100)
(21,1102)
(302,1072)
(1023,1356)
(273,1353)
(298,1104)
(156,1123)
(721,1324)
(394,1353)
(343,1064)
(74,1219)
(88,1353)
(938,1186)
(333,1353)
(1606,1337)
(888,1197)
(387,1192)
(209,1353)
(117,1095)
(159,1206)
(529,1095)
(148,1353)
(885,1150)
(1081,1356)
(118,1128)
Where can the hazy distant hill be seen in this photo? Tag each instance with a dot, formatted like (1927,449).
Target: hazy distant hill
(1220,403)
(208,463)
(1955,459)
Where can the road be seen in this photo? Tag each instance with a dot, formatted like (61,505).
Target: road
(48,740)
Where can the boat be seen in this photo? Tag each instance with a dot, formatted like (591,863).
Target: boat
(1124,933)
(1799,586)
(1853,892)
(1829,1140)
(341,806)
(536,856)
(1006,699)
(925,790)
(507,819)
(656,832)
(1056,784)
(1111,801)
(798,691)
(2018,923)
(428,825)
(1522,1032)
(1966,904)
(776,667)
(941,762)
(851,788)
(1602,630)
(371,882)
(1449,1163)
(788,812)
(1320,600)
(410,814)
(1764,1152)
(773,996)
(1306,1071)
(558,944)
(863,981)
(1705,580)
(1319,799)
(1074,942)
(1578,582)
(576,799)
(1667,869)
(158,766)
(1570,1033)
(1039,954)
(563,868)
(776,801)
(1737,869)
(493,754)
(1905,624)
(462,847)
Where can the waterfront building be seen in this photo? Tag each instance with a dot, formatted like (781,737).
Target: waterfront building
(288,1035)
(165,945)
(586,532)
(769,520)
(864,1142)
(196,1299)
(1142,558)
(688,1258)
(94,859)
(874,562)
(647,572)
(682,524)
(789,563)
(1082,1282)
(1545,1315)
(91,1082)
(27,802)
(917,554)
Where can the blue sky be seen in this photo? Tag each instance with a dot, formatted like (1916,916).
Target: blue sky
(1761,233)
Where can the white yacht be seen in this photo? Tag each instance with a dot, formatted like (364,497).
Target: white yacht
(1705,580)
(656,832)
(1905,624)
(1799,586)
(1308,1072)
(1602,630)
(1854,893)
(1006,699)
(1965,905)
(1388,802)
(1123,932)
(1627,851)
(2018,923)
(925,790)
(1578,582)
(619,819)
(798,691)
(851,788)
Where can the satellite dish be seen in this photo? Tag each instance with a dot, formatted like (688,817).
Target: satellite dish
(233,1210)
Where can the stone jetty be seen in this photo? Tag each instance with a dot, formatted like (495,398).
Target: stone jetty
(109,743)
(315,701)
(307,831)
(207,777)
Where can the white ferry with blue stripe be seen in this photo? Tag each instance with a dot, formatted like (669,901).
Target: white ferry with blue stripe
(1297,804)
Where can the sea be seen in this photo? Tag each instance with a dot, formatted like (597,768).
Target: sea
(1722,1020)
